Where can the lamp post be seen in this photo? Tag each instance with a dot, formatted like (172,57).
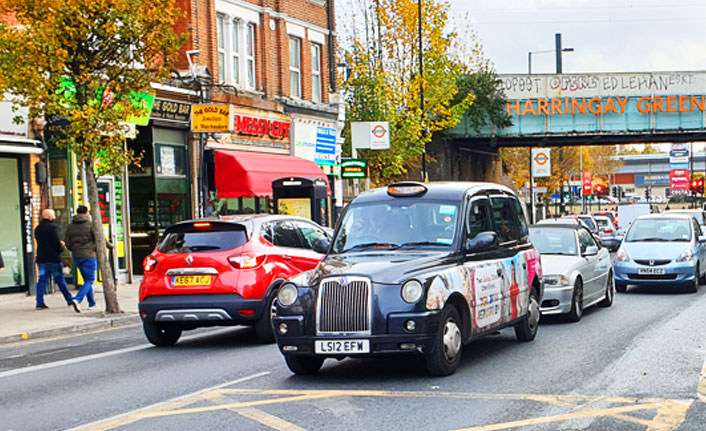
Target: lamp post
(421,89)
(558,65)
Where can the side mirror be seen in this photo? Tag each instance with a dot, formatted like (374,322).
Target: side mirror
(590,251)
(702,238)
(321,245)
(482,241)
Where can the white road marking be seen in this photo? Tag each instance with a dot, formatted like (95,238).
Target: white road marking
(168,402)
(97,356)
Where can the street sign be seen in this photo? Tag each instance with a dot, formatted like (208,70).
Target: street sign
(373,135)
(541,162)
(354,168)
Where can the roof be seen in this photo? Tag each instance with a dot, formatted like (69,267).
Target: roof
(665,215)
(444,190)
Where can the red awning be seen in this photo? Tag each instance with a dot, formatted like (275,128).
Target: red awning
(244,173)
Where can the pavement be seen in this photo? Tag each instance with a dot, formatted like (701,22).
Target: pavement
(20,321)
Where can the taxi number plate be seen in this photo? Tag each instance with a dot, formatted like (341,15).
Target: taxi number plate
(650,271)
(341,346)
(191,280)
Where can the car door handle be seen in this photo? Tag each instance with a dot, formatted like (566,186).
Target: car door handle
(285,257)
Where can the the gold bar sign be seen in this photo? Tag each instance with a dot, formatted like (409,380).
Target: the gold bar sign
(211,118)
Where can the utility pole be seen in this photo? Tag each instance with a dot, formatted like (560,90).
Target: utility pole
(421,91)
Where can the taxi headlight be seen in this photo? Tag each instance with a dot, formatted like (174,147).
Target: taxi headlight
(412,291)
(287,295)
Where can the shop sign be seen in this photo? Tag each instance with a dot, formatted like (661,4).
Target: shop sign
(354,168)
(171,111)
(211,118)
(334,170)
(587,183)
(326,145)
(8,127)
(679,179)
(261,127)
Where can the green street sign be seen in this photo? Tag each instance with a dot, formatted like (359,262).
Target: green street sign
(354,168)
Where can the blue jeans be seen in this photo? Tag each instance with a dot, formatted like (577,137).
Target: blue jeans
(47,270)
(87,266)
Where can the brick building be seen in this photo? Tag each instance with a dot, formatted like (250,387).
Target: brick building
(273,62)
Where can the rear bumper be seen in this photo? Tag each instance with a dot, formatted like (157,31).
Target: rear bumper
(201,310)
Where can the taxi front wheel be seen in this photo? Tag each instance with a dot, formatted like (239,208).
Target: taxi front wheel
(303,364)
(445,356)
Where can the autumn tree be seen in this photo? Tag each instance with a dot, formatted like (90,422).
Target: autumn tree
(384,83)
(91,62)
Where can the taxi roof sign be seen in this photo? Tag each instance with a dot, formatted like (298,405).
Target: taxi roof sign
(406,189)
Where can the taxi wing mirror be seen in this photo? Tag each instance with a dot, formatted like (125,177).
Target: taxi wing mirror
(591,250)
(321,245)
(481,242)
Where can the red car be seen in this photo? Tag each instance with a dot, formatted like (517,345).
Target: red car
(221,272)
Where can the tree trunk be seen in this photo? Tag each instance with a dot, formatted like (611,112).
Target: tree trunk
(109,289)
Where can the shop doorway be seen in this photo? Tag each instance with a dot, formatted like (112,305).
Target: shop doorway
(11,213)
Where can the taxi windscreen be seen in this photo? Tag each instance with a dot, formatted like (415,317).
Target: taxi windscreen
(397,225)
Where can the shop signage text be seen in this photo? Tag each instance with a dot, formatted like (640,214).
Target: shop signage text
(211,118)
(587,183)
(261,127)
(171,111)
(354,168)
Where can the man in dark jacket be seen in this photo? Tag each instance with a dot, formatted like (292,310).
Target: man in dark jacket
(48,261)
(82,243)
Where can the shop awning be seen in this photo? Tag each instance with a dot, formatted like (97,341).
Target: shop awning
(247,174)
(13,145)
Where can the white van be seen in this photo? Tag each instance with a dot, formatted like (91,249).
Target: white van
(629,212)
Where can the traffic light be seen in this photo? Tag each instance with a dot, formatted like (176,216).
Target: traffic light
(615,192)
(697,186)
(600,189)
(648,193)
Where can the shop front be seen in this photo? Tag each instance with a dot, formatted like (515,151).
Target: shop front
(159,189)
(17,154)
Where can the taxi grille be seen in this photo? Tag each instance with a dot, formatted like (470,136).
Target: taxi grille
(344,307)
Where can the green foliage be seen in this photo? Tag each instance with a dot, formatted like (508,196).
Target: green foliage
(85,60)
(488,106)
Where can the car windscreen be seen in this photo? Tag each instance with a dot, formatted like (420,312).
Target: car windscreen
(589,222)
(190,239)
(406,223)
(662,229)
(602,222)
(554,241)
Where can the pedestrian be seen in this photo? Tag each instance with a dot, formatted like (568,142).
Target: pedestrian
(49,248)
(82,243)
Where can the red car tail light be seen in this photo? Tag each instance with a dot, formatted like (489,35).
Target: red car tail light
(246,261)
(202,225)
(607,230)
(149,264)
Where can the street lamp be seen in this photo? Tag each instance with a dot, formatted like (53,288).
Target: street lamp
(529,57)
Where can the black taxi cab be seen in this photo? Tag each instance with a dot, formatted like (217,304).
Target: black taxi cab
(416,268)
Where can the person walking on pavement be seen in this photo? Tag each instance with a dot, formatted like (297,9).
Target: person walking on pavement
(82,243)
(49,248)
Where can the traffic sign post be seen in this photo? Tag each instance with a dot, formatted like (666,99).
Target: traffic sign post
(540,167)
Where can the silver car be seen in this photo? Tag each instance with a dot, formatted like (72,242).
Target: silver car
(578,273)
(609,234)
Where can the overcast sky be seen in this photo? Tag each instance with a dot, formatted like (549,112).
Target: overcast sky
(607,35)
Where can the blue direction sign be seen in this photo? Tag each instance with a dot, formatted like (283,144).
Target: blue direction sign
(325,145)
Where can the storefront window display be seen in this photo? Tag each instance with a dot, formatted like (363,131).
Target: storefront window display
(11,242)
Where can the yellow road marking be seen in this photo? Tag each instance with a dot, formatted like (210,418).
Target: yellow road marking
(701,391)
(268,419)
(670,415)
(557,418)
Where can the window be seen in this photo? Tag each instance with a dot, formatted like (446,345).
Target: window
(250,56)
(220,30)
(286,236)
(235,50)
(585,240)
(266,232)
(521,219)
(505,219)
(478,218)
(310,233)
(316,73)
(295,76)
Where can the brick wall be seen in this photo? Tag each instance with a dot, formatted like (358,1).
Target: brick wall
(272,46)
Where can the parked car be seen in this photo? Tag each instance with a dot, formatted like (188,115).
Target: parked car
(608,233)
(612,215)
(661,250)
(577,272)
(415,268)
(227,271)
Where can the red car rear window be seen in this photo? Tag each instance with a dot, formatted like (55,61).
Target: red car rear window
(188,239)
